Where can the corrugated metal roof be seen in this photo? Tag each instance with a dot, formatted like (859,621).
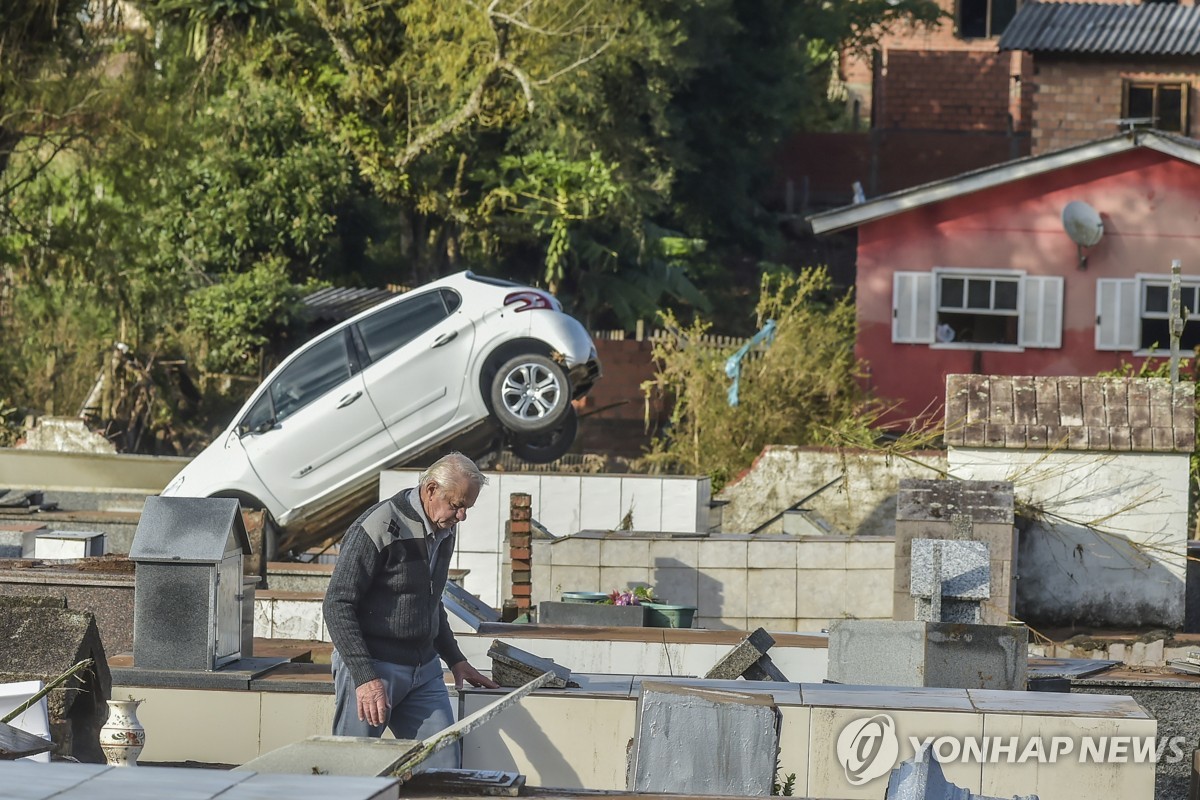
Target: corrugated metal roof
(337,304)
(1146,29)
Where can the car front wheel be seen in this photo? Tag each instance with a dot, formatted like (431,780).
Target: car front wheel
(530,394)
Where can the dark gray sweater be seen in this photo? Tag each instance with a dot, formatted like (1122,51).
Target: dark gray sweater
(382,602)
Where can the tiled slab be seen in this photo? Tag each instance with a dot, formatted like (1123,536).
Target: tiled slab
(836,695)
(1069,776)
(783,693)
(29,780)
(1058,704)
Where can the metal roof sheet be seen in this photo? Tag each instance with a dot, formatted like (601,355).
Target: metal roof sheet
(1145,29)
(338,304)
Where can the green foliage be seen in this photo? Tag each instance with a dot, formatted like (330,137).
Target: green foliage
(786,787)
(612,151)
(801,390)
(241,315)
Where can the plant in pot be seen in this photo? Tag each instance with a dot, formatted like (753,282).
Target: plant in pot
(659,613)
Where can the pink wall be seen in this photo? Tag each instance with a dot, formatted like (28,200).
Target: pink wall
(1150,204)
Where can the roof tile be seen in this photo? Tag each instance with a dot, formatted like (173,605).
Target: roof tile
(1071,413)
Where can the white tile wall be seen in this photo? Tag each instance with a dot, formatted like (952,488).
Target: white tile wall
(600,504)
(644,498)
(683,510)
(559,510)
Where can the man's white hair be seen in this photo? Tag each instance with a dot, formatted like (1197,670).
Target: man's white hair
(451,468)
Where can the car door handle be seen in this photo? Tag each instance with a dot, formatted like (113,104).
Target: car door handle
(348,399)
(445,338)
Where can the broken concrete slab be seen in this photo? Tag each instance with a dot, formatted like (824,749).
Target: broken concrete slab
(512,666)
(42,643)
(465,783)
(360,756)
(921,778)
(683,732)
(467,607)
(748,659)
(16,743)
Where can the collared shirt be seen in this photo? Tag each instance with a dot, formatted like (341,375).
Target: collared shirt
(433,537)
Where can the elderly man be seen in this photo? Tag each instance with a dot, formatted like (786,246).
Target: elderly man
(384,610)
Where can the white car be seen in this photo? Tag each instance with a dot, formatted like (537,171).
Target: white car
(465,362)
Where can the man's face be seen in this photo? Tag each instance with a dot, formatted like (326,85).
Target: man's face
(447,506)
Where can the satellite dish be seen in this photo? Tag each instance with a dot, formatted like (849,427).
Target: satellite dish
(1083,223)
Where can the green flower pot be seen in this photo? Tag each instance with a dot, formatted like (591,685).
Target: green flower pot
(668,615)
(584,597)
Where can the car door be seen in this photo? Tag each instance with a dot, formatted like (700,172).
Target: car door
(415,358)
(315,426)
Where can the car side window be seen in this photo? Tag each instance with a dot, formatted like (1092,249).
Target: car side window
(260,416)
(322,367)
(395,326)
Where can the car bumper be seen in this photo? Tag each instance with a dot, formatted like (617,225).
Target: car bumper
(583,376)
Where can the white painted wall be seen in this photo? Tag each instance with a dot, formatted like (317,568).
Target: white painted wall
(862,502)
(563,503)
(1109,543)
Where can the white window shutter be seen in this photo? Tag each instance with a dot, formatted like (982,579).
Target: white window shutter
(912,307)
(1041,311)
(1116,314)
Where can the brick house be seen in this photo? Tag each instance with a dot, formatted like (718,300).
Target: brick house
(932,103)
(1097,63)
(975,274)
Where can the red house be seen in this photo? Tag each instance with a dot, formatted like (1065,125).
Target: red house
(976,273)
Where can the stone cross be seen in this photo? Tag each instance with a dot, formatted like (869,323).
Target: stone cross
(950,578)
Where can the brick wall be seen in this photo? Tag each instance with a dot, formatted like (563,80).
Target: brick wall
(856,68)
(826,164)
(1078,101)
(613,414)
(957,90)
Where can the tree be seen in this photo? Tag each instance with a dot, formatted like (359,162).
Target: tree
(801,389)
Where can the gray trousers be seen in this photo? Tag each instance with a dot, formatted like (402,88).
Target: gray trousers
(420,706)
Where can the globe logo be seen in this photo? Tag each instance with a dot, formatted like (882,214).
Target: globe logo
(867,748)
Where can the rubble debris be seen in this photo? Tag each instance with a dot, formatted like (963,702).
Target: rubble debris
(749,660)
(921,778)
(16,743)
(512,667)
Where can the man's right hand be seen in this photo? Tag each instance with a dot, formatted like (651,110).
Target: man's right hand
(372,702)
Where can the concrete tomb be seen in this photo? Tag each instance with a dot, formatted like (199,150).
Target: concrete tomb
(948,578)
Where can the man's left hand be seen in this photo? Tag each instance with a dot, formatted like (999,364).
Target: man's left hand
(463,671)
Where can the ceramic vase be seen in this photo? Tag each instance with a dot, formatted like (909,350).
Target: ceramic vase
(122,737)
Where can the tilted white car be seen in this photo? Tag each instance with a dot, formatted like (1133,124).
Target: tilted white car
(464,362)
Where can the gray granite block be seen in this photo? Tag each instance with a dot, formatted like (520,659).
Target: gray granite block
(966,571)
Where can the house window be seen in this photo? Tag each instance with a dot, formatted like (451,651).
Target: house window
(977,309)
(1134,314)
(1162,105)
(981,19)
